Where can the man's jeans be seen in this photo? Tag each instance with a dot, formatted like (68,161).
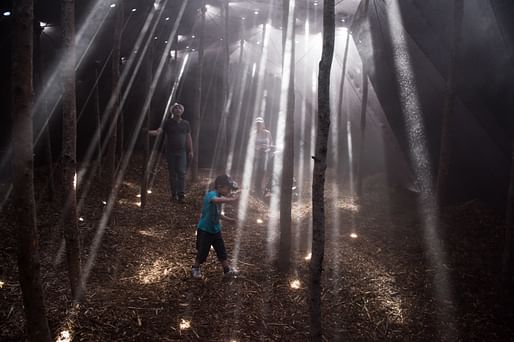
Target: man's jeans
(177,166)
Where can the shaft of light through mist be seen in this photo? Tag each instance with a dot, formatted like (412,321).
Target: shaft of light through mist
(281,128)
(121,173)
(250,147)
(419,155)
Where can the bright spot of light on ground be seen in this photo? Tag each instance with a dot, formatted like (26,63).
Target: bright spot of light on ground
(81,219)
(113,5)
(2,284)
(148,191)
(138,195)
(184,324)
(308,256)
(295,284)
(259,221)
(7,14)
(348,204)
(354,236)
(64,336)
(104,202)
(133,10)
(138,204)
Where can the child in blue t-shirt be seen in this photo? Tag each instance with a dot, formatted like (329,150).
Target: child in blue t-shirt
(209,227)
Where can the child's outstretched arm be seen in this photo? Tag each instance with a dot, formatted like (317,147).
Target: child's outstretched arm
(223,199)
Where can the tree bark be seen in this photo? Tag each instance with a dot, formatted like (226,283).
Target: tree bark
(364,108)
(320,165)
(145,179)
(98,132)
(23,185)
(342,116)
(286,191)
(69,158)
(449,106)
(198,104)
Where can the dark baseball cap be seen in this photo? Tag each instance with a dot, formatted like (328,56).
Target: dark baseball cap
(225,180)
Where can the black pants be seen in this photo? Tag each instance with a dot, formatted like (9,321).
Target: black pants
(204,241)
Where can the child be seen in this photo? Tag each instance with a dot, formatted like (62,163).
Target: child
(209,227)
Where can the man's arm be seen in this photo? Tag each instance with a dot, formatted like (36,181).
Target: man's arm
(155,131)
(189,143)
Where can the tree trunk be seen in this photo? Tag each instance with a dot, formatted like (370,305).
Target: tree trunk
(38,87)
(449,106)
(23,185)
(284,254)
(98,132)
(507,262)
(320,165)
(112,158)
(69,158)
(342,116)
(364,107)
(118,33)
(199,100)
(145,179)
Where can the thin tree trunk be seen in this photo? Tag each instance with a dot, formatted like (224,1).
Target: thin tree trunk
(364,107)
(284,254)
(342,116)
(320,165)
(71,232)
(199,100)
(24,198)
(112,158)
(507,262)
(98,132)
(38,70)
(118,32)
(145,136)
(225,110)
(449,106)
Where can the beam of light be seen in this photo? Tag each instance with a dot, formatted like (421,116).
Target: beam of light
(281,128)
(154,155)
(126,159)
(416,134)
(235,126)
(52,92)
(246,183)
(108,119)
(295,284)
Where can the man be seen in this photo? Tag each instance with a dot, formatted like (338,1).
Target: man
(179,147)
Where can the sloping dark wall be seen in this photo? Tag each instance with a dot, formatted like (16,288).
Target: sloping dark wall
(481,130)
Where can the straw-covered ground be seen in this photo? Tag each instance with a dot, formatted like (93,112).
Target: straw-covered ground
(377,286)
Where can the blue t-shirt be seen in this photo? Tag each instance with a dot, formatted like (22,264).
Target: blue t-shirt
(211,213)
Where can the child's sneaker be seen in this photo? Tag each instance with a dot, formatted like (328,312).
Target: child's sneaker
(195,272)
(229,272)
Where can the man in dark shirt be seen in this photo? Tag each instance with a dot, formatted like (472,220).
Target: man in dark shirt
(179,147)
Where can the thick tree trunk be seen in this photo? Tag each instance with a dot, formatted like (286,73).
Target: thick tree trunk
(199,99)
(364,108)
(320,165)
(69,158)
(23,185)
(449,106)
(284,254)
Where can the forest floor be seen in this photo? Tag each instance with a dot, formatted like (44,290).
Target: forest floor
(378,286)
